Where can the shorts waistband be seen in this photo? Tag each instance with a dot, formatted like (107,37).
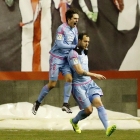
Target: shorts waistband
(56,56)
(83,83)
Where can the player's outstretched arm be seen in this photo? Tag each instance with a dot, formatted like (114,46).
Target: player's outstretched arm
(80,71)
(98,76)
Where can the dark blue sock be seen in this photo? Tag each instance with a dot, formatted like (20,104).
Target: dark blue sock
(80,116)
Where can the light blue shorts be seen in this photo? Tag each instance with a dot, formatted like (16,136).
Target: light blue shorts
(84,94)
(56,66)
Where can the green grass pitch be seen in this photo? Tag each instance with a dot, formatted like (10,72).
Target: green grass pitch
(68,135)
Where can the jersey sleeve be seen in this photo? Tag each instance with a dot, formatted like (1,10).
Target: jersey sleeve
(60,42)
(73,58)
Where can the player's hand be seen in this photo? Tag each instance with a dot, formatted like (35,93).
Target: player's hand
(100,77)
(119,4)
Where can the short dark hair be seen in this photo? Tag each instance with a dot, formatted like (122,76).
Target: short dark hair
(70,12)
(80,36)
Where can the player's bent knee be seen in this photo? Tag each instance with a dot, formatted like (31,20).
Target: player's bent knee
(98,104)
(51,84)
(89,111)
(69,79)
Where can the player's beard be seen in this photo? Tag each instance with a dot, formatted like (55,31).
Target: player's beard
(86,47)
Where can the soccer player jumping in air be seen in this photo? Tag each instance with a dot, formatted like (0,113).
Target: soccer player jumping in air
(66,40)
(85,91)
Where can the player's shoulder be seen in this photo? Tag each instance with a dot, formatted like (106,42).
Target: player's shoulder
(63,26)
(60,26)
(73,54)
(61,29)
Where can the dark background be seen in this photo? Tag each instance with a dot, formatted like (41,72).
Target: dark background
(10,37)
(107,48)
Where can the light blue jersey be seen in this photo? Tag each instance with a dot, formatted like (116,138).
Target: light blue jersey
(84,89)
(66,39)
(74,59)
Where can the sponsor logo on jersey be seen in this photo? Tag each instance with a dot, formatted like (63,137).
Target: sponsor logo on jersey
(75,60)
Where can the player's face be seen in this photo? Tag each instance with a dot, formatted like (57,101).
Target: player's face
(73,21)
(85,42)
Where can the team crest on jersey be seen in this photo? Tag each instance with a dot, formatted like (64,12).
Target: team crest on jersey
(75,60)
(59,37)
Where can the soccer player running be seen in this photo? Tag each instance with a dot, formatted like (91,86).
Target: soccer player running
(85,91)
(66,40)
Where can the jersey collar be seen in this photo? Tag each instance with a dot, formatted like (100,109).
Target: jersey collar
(79,50)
